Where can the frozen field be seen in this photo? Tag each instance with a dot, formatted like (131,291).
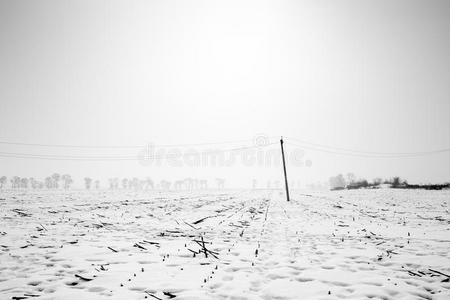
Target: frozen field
(366,244)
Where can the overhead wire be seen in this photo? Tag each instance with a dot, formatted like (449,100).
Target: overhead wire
(359,153)
(120,146)
(122,158)
(266,141)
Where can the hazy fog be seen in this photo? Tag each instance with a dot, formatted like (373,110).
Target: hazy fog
(372,76)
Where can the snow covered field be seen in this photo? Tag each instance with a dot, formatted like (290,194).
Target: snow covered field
(365,244)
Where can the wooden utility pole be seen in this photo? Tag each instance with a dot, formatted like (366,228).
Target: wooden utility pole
(284,169)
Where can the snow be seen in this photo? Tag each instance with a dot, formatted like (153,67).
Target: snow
(362,244)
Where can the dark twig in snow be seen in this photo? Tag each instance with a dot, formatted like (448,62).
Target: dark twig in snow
(190,225)
(148,293)
(113,250)
(139,246)
(83,278)
(443,274)
(169,294)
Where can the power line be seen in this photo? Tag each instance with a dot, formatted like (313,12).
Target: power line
(121,158)
(368,154)
(258,141)
(67,146)
(120,146)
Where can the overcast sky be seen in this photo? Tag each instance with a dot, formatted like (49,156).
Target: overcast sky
(372,76)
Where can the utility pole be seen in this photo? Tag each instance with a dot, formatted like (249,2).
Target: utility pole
(284,169)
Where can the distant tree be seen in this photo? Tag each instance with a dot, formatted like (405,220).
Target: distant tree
(189,183)
(33,182)
(135,183)
(203,184)
(24,183)
(56,178)
(97,184)
(178,185)
(124,183)
(87,183)
(67,179)
(220,183)
(351,178)
(149,183)
(396,181)
(165,185)
(377,181)
(337,182)
(48,182)
(111,183)
(15,182)
(3,180)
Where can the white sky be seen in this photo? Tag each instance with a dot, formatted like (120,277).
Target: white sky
(365,75)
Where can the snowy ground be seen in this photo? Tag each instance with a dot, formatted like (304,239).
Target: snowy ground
(378,244)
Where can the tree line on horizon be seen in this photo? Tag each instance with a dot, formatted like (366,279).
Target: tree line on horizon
(54,181)
(65,181)
(350,182)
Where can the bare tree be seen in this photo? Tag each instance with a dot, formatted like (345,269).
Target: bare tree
(111,183)
(124,183)
(24,183)
(33,183)
(165,185)
(97,184)
(3,180)
(67,179)
(40,185)
(87,182)
(351,178)
(48,182)
(397,182)
(15,182)
(189,183)
(149,183)
(56,178)
(220,183)
(203,184)
(135,183)
(377,181)
(178,184)
(337,182)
